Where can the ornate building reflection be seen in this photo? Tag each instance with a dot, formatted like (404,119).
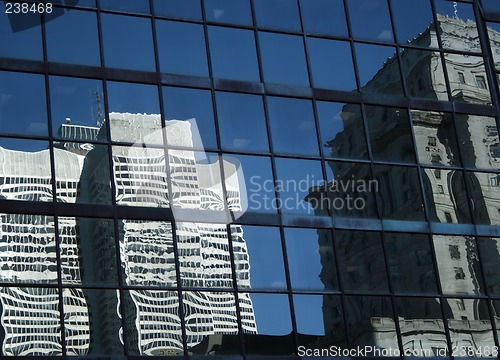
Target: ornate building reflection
(92,319)
(417,263)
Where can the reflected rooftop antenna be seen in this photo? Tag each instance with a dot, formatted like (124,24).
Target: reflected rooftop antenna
(455,6)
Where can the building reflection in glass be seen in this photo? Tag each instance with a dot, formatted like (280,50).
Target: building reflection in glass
(408,263)
(87,251)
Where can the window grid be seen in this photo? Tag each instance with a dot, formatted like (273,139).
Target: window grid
(49,69)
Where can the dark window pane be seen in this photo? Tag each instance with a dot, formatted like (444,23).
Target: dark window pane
(342,130)
(311,249)
(185,104)
(181,48)
(491,5)
(261,252)
(233,54)
(424,74)
(277,14)
(411,20)
(435,138)
(369,318)
(411,266)
(88,251)
(319,316)
(399,196)
(378,69)
(490,258)
(229,11)
(361,261)
(455,15)
(67,43)
(295,180)
(23,109)
(283,59)
(370,20)
(242,122)
(87,312)
(133,51)
(446,196)
(470,67)
(134,112)
(326,17)
(351,190)
(186,9)
(77,108)
(293,128)
(129,6)
(259,183)
(20,36)
(322,53)
(458,265)
(390,134)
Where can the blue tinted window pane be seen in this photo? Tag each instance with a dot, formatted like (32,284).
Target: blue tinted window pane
(242,122)
(23,108)
(76,102)
(491,5)
(20,36)
(185,9)
(295,180)
(293,128)
(411,18)
(185,104)
(73,44)
(452,16)
(259,183)
(370,20)
(277,14)
(272,314)
(342,130)
(233,54)
(322,54)
(131,6)
(371,60)
(229,11)
(128,42)
(265,256)
(283,59)
(181,48)
(309,260)
(325,17)
(134,112)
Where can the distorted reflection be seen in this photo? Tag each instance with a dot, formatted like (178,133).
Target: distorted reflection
(422,326)
(470,327)
(446,196)
(458,264)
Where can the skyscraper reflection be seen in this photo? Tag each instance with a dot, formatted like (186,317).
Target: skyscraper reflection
(146,248)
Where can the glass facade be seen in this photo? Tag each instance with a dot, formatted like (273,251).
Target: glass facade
(239,178)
